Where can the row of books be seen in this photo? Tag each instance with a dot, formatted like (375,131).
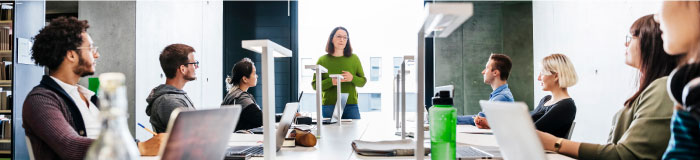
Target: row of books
(6,44)
(5,100)
(6,70)
(6,14)
(5,128)
(5,37)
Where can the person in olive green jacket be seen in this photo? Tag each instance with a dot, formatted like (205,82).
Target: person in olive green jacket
(340,60)
(641,129)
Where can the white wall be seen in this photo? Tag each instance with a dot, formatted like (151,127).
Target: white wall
(195,23)
(383,29)
(592,34)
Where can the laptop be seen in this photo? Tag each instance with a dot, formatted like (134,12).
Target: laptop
(259,130)
(200,134)
(514,130)
(336,116)
(282,128)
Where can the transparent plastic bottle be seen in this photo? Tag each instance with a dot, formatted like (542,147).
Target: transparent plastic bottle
(443,127)
(115,141)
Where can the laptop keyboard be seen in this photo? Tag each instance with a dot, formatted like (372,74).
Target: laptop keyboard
(253,151)
(471,152)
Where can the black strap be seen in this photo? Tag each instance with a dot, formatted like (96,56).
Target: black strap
(691,97)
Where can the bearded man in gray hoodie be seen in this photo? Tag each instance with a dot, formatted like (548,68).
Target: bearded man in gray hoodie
(178,63)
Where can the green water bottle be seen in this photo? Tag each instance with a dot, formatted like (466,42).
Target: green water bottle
(443,127)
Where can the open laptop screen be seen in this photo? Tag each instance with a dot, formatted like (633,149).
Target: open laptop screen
(200,134)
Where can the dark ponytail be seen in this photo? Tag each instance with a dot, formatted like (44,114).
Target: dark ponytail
(241,69)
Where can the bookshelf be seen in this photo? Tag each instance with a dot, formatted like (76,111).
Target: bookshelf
(6,75)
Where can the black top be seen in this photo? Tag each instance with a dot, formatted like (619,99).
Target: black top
(251,115)
(555,119)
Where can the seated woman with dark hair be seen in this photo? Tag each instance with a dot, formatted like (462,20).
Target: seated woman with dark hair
(243,77)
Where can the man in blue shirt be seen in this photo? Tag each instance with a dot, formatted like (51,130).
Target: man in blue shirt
(495,74)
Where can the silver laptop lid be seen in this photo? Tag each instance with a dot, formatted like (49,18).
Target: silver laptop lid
(288,115)
(515,133)
(343,101)
(200,134)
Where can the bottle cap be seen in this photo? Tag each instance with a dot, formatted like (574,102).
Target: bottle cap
(442,98)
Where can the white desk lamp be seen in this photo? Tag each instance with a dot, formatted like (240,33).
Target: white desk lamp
(319,70)
(403,94)
(269,51)
(439,21)
(397,82)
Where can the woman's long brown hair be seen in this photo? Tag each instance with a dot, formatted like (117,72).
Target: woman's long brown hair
(654,61)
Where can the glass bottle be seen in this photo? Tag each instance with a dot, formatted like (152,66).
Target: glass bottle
(114,141)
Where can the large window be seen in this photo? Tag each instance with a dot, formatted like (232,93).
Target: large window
(397,65)
(306,72)
(375,71)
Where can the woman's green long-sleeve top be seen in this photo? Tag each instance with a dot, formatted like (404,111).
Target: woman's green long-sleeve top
(336,65)
(640,131)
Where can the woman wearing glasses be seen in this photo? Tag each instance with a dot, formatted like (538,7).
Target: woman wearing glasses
(243,77)
(340,60)
(641,128)
(555,113)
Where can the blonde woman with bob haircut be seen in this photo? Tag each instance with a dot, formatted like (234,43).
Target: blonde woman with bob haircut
(556,112)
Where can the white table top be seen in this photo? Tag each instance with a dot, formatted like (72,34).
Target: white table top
(336,140)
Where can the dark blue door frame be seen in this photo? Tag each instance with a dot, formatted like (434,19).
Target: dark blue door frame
(246,20)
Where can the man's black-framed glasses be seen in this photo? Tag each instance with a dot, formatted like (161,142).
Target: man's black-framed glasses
(196,63)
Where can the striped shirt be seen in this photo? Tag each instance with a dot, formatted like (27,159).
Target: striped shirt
(685,137)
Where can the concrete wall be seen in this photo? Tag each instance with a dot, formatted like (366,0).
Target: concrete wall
(195,23)
(517,43)
(113,29)
(591,34)
(495,27)
(131,36)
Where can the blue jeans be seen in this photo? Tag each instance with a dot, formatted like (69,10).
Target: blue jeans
(468,119)
(351,111)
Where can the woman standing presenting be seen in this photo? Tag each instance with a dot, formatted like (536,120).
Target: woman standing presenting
(340,60)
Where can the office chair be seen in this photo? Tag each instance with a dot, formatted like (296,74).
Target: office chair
(29,148)
(571,130)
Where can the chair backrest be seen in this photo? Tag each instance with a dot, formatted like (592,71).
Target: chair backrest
(571,130)
(29,148)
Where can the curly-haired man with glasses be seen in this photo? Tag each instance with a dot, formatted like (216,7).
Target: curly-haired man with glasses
(60,117)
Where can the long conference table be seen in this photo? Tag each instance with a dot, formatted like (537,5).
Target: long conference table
(336,140)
